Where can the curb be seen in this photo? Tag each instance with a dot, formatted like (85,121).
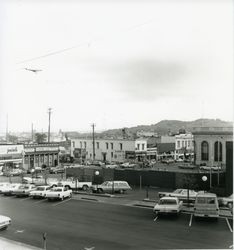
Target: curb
(93,194)
(20,246)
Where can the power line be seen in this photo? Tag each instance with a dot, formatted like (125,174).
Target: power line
(81,44)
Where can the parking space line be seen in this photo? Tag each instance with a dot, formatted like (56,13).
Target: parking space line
(229,225)
(39,201)
(25,199)
(62,202)
(191,218)
(155,218)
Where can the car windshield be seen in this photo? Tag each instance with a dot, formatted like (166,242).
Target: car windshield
(105,183)
(56,190)
(23,187)
(167,202)
(177,191)
(40,189)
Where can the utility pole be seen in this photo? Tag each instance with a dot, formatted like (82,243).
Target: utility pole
(93,125)
(49,112)
(7,128)
(32,133)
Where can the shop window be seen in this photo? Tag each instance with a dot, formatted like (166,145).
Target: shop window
(143,146)
(204,151)
(112,145)
(107,145)
(218,151)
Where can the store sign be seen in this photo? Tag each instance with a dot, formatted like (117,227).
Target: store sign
(46,149)
(29,150)
(11,149)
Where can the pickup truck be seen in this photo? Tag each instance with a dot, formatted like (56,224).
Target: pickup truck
(58,193)
(181,194)
(75,184)
(40,180)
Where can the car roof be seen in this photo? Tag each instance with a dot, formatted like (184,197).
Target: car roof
(206,195)
(169,198)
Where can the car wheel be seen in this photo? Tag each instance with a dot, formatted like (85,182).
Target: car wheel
(62,198)
(99,190)
(230,205)
(121,191)
(85,188)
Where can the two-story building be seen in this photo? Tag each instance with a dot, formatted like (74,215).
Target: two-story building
(112,150)
(184,145)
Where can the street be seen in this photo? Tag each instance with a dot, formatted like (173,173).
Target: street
(80,224)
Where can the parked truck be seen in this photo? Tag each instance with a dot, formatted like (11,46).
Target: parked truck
(75,184)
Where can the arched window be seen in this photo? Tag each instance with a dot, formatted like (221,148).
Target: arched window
(218,151)
(204,151)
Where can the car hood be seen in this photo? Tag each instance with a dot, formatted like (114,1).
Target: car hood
(4,218)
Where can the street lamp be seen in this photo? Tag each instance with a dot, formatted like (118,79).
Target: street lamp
(204,178)
(97,174)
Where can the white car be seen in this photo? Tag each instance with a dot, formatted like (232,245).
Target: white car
(213,168)
(8,190)
(24,190)
(181,194)
(111,186)
(58,193)
(226,201)
(4,222)
(168,205)
(3,185)
(40,192)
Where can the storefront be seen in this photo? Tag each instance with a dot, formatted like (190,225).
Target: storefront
(11,156)
(36,155)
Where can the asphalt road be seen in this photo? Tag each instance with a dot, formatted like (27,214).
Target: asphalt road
(76,224)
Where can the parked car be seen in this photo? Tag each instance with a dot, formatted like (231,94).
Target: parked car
(57,170)
(74,184)
(14,172)
(40,180)
(128,165)
(40,192)
(24,190)
(4,222)
(181,194)
(111,166)
(213,168)
(111,186)
(8,190)
(206,205)
(3,185)
(226,201)
(58,193)
(168,205)
(167,161)
(187,166)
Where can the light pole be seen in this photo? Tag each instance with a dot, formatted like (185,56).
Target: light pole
(32,172)
(97,174)
(204,178)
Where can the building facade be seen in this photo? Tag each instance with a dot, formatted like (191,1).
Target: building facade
(111,150)
(184,145)
(36,155)
(11,155)
(210,145)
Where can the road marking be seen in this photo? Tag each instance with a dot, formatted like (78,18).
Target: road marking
(228,225)
(25,199)
(155,218)
(39,201)
(191,218)
(62,202)
(19,231)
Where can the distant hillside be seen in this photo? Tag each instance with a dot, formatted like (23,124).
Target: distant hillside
(170,126)
(162,128)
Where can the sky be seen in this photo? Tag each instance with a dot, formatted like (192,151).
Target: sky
(114,63)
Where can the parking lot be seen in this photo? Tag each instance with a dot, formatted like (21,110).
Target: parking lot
(86,221)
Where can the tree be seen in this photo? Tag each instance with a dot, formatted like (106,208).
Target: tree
(12,138)
(40,137)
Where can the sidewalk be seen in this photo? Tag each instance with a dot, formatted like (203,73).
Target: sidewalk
(6,244)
